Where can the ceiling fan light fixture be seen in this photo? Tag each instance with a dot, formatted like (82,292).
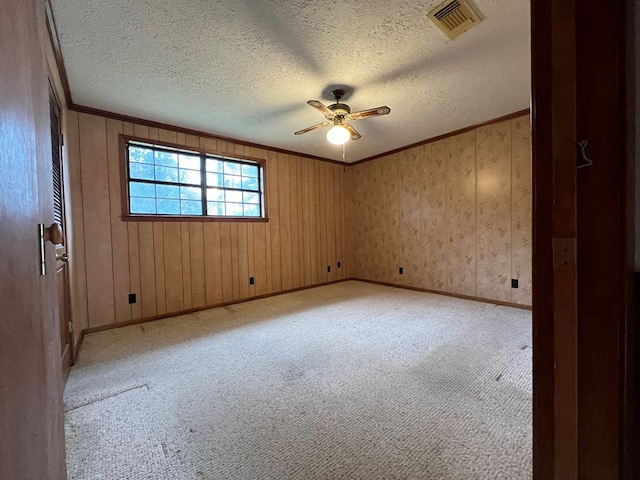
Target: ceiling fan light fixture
(338,135)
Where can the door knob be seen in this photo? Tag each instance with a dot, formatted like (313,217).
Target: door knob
(63,258)
(53,234)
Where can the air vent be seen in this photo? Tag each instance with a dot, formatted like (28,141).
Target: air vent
(454,18)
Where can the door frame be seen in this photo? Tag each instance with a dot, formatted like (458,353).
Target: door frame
(582,305)
(68,351)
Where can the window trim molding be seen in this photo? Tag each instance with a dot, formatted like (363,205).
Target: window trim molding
(123,139)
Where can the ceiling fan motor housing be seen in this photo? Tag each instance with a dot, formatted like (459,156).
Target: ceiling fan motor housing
(340,109)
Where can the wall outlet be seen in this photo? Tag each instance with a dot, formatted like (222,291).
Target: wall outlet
(252,281)
(401,270)
(132,298)
(514,283)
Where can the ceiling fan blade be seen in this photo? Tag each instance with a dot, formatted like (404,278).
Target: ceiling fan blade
(372,112)
(308,129)
(318,105)
(354,135)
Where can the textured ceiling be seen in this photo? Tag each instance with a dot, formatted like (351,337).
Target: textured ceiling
(245,68)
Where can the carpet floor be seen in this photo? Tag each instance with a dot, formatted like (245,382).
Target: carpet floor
(346,381)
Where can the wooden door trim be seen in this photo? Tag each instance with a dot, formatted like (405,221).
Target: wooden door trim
(583,390)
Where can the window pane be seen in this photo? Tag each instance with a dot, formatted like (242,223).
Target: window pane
(140,155)
(167,174)
(232,181)
(214,165)
(166,158)
(248,197)
(190,193)
(190,176)
(167,191)
(142,205)
(141,171)
(192,162)
(249,171)
(167,181)
(232,196)
(215,208)
(190,207)
(168,207)
(137,189)
(251,210)
(215,195)
(250,183)
(233,168)
(215,180)
(233,210)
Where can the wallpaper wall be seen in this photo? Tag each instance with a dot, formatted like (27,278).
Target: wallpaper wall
(454,214)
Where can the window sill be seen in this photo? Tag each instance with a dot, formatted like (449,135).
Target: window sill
(185,218)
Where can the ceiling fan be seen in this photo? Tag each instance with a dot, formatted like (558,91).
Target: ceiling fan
(337,113)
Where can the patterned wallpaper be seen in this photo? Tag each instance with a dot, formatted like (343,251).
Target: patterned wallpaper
(455,214)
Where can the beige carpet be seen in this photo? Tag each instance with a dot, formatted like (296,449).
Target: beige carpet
(346,381)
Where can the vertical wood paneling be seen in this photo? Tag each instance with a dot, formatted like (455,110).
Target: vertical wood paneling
(493,199)
(322,221)
(173,266)
(339,219)
(158,249)
(330,226)
(167,136)
(119,233)
(235,261)
(296,264)
(433,207)
(312,226)
(390,235)
(185,248)
(226,262)
(78,272)
(409,213)
(273,198)
(243,259)
(217,263)
(303,197)
(521,209)
(147,269)
(260,258)
(97,209)
(457,234)
(251,258)
(134,269)
(197,257)
(461,213)
(284,205)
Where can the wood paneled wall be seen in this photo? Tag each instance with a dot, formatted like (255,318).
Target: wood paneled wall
(455,214)
(177,266)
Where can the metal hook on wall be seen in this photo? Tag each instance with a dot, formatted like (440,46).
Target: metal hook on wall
(582,145)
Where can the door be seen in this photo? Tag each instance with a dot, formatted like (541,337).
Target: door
(31,419)
(583,232)
(62,255)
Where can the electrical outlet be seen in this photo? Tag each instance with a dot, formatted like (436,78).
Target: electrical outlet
(514,283)
(132,298)
(401,270)
(252,281)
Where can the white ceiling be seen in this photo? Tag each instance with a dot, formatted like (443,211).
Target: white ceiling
(245,68)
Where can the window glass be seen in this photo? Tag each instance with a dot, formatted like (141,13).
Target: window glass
(164,180)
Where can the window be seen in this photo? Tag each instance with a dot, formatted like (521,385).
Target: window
(168,181)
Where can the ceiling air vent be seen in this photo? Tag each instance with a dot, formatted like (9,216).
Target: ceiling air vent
(454,17)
